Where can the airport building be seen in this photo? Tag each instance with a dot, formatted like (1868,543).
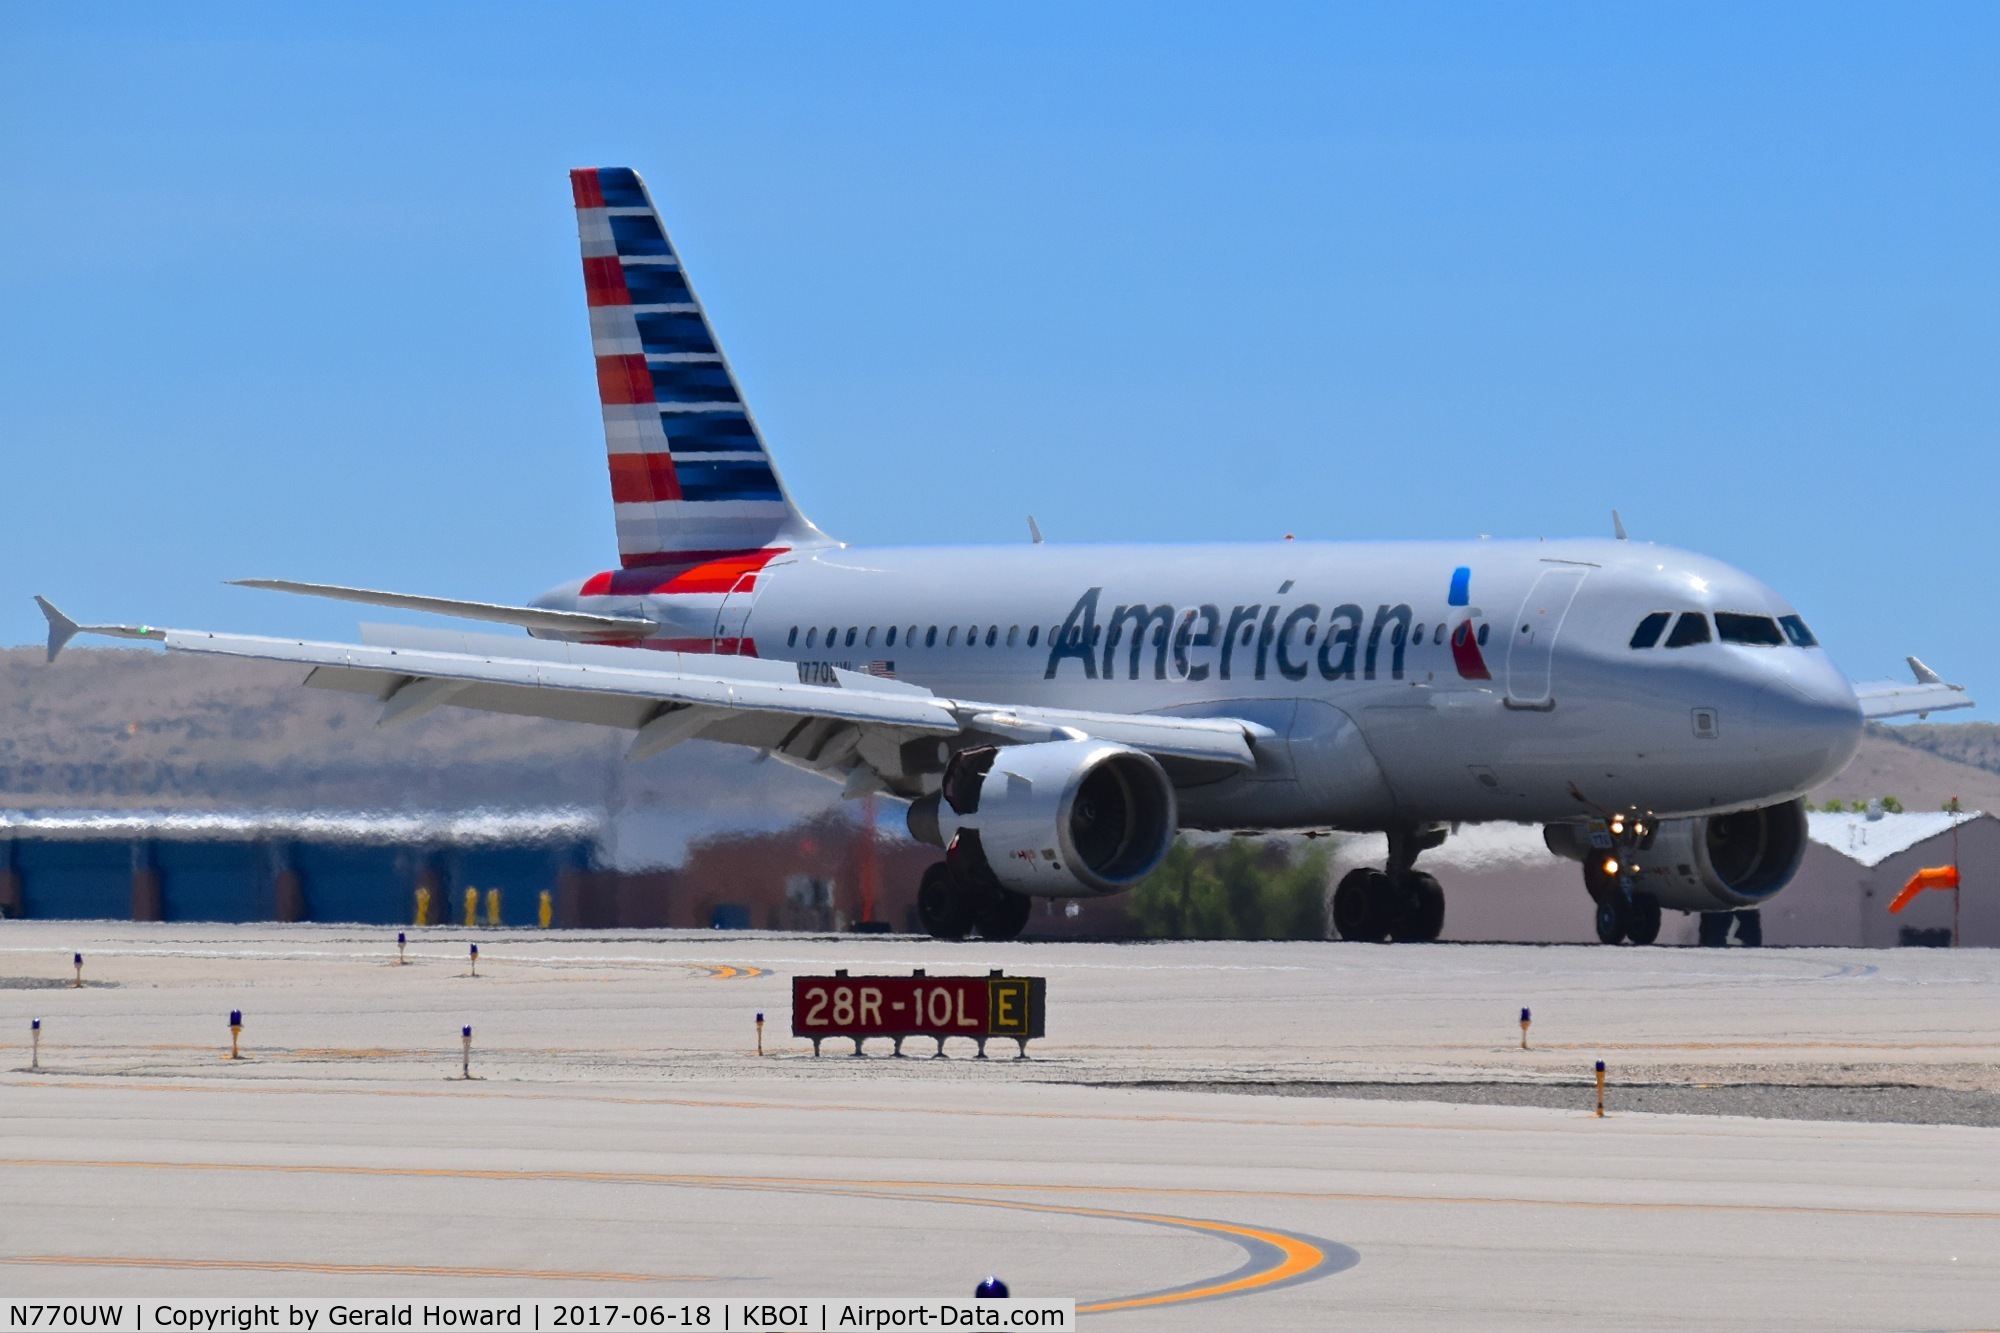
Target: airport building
(385,869)
(1856,864)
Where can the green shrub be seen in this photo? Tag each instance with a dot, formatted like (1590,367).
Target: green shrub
(1240,889)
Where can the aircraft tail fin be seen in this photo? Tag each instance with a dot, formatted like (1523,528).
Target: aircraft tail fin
(691,479)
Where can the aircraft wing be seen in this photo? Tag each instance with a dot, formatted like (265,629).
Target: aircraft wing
(527,617)
(1929,694)
(875,733)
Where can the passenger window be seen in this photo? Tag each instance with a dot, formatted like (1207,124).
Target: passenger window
(1034,632)
(992,635)
(1755,631)
(1013,633)
(812,636)
(868,639)
(792,639)
(1690,629)
(1417,634)
(930,637)
(1482,634)
(890,637)
(1437,635)
(1650,629)
(951,637)
(1796,631)
(850,636)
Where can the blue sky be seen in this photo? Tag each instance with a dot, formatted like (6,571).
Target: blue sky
(292,291)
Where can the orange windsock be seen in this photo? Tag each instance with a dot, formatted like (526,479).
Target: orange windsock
(1930,877)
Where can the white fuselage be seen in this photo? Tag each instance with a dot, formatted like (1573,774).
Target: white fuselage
(1401,690)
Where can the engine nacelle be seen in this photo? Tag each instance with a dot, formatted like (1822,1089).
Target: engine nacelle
(1711,863)
(1059,819)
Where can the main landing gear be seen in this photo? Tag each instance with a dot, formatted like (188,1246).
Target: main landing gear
(1398,903)
(951,909)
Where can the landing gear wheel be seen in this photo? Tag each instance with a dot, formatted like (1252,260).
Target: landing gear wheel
(942,906)
(1642,925)
(1003,916)
(1361,906)
(1613,919)
(1419,908)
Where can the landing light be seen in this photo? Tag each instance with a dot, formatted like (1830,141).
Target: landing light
(1611,865)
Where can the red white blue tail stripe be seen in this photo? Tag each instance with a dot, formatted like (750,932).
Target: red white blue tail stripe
(691,479)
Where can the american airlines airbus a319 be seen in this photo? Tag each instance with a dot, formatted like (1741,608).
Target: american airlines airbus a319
(1055,715)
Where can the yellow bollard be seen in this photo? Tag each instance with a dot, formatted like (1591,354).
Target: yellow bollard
(493,907)
(472,907)
(423,907)
(545,910)
(1600,1089)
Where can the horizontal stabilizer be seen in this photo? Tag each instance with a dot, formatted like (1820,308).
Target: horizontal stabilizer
(527,617)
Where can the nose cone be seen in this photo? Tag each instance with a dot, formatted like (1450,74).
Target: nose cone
(1809,721)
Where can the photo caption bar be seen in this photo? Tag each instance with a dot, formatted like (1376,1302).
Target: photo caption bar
(264,1315)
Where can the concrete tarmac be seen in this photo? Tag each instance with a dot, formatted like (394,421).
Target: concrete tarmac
(621,1138)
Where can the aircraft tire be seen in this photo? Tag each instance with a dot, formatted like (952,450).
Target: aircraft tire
(1715,929)
(1642,925)
(1003,916)
(1750,928)
(1361,906)
(1417,911)
(942,904)
(1613,918)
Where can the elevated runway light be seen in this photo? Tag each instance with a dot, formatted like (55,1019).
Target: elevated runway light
(760,1034)
(1524,1029)
(992,1289)
(1600,1089)
(35,1036)
(235,1034)
(77,959)
(401,940)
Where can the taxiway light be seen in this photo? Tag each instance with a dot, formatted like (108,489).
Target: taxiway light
(235,1033)
(1600,1089)
(401,940)
(465,1051)
(77,961)
(760,1034)
(991,1289)
(1524,1027)
(35,1033)
(475,960)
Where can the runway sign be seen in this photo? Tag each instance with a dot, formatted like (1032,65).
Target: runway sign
(897,1007)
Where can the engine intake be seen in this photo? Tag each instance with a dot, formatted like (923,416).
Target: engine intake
(1057,819)
(1711,863)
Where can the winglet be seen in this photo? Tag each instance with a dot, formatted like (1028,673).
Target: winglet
(1924,675)
(1617,526)
(1034,531)
(61,628)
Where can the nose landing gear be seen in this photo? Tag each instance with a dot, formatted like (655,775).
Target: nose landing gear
(1623,911)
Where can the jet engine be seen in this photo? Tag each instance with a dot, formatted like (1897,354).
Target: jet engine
(1711,863)
(1055,819)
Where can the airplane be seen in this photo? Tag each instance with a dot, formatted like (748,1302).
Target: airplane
(1056,715)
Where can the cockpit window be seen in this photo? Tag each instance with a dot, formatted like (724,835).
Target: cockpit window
(1650,629)
(1756,631)
(1691,628)
(1796,631)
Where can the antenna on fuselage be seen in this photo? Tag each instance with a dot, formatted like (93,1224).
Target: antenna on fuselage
(1034,532)
(1617,526)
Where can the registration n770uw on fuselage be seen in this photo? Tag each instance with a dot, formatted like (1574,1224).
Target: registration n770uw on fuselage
(1056,714)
